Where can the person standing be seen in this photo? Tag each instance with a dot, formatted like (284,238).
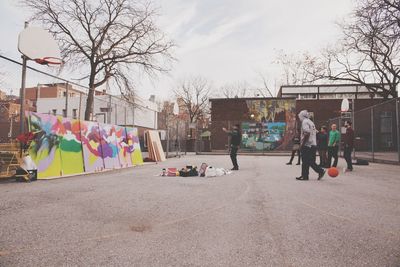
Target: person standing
(308,146)
(236,138)
(333,146)
(348,144)
(295,148)
(322,146)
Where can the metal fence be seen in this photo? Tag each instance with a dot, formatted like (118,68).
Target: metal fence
(377,131)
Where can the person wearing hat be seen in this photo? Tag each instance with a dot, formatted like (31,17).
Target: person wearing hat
(308,147)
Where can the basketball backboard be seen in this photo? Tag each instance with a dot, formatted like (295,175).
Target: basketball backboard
(345,105)
(38,44)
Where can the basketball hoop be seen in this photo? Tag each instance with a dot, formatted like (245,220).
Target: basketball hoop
(49,61)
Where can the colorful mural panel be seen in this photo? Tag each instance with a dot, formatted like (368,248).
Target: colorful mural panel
(70,146)
(122,144)
(262,136)
(134,146)
(45,148)
(109,146)
(275,120)
(67,146)
(91,144)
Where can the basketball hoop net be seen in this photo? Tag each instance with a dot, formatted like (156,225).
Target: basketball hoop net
(49,61)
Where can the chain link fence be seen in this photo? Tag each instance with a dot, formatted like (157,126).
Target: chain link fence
(376,131)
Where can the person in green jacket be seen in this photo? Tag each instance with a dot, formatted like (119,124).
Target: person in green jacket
(333,146)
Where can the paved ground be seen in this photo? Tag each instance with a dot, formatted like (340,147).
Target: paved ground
(259,216)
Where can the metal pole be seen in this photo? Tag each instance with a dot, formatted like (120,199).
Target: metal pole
(80,104)
(398,127)
(116,115)
(125,115)
(109,110)
(22,91)
(167,126)
(166,154)
(372,134)
(177,136)
(353,120)
(66,99)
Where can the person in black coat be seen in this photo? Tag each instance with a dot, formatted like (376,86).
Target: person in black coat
(236,139)
(295,148)
(322,146)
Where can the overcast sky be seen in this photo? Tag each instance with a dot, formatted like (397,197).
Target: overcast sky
(226,41)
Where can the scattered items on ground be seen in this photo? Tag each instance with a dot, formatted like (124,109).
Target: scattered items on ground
(191,171)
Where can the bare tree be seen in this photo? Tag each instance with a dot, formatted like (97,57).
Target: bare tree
(265,85)
(110,37)
(193,94)
(295,67)
(234,90)
(369,53)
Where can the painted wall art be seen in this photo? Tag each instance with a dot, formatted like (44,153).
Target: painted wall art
(134,146)
(109,146)
(65,146)
(91,144)
(272,125)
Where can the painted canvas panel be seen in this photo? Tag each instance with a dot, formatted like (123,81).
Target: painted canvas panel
(109,146)
(91,145)
(123,149)
(275,120)
(262,136)
(45,148)
(70,146)
(134,146)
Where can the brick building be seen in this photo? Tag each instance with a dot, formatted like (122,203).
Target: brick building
(323,101)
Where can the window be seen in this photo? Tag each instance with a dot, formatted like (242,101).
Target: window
(74,113)
(64,112)
(64,94)
(54,111)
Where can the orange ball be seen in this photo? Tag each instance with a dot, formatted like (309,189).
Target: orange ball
(333,172)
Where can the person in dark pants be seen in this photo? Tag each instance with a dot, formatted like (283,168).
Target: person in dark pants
(308,146)
(348,144)
(333,146)
(236,139)
(295,148)
(322,146)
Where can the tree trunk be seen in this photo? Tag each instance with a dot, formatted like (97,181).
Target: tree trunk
(89,101)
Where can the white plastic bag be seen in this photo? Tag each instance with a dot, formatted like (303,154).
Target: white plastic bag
(211,172)
(220,172)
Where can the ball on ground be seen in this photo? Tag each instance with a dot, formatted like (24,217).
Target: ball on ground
(333,172)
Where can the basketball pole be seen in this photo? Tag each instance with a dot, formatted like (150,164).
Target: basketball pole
(22,91)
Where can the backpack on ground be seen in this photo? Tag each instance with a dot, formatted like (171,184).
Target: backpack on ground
(361,162)
(202,170)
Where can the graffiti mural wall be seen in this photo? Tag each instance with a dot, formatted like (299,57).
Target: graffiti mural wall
(45,148)
(272,125)
(67,146)
(91,144)
(70,146)
(134,146)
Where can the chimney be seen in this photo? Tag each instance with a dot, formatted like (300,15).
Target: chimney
(152,98)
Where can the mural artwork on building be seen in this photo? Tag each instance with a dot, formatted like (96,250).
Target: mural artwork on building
(272,125)
(68,146)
